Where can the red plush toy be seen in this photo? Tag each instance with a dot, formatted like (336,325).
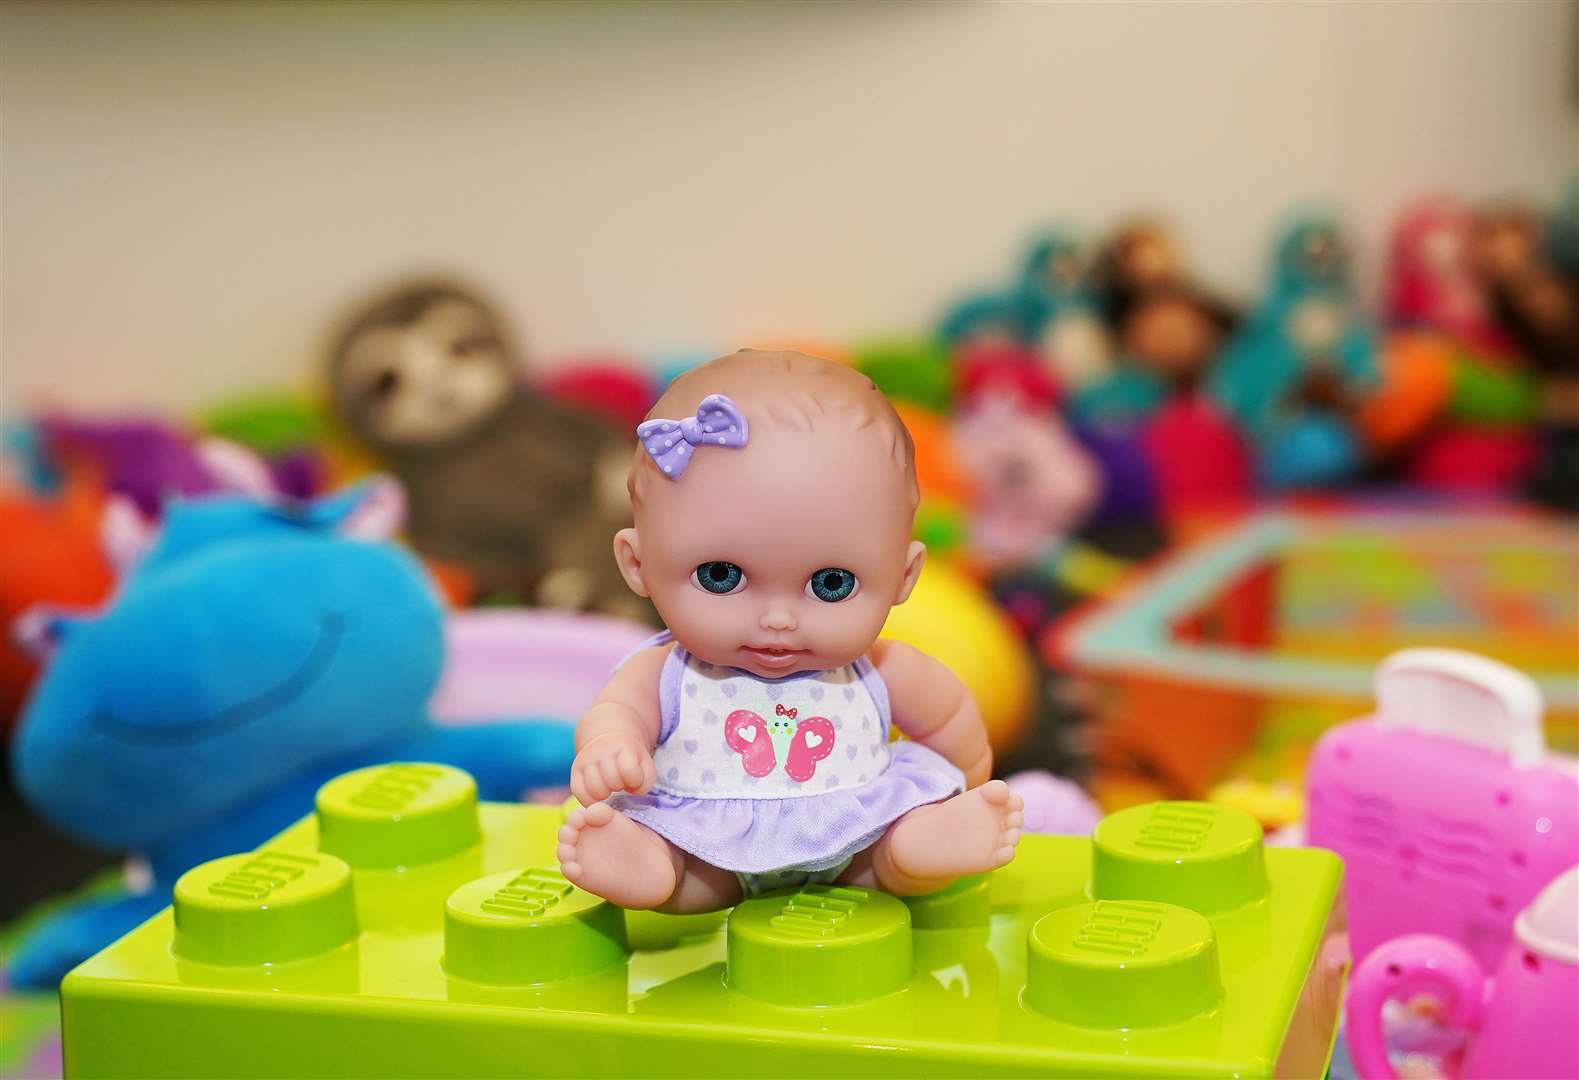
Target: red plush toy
(602,385)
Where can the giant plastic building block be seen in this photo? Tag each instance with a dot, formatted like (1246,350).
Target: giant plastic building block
(405,930)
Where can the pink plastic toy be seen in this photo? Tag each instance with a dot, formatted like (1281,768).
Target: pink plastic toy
(510,663)
(1034,482)
(1447,809)
(1521,1020)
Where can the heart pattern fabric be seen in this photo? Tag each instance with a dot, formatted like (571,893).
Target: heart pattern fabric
(733,735)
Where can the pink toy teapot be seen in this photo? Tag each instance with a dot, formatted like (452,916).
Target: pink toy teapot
(1521,1020)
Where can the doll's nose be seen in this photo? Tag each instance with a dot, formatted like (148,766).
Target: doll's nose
(778,617)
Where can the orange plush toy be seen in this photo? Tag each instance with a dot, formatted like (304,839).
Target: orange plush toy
(50,554)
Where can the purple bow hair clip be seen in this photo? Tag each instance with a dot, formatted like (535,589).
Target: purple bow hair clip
(718,422)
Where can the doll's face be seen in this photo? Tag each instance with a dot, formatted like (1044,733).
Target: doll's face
(429,379)
(783,556)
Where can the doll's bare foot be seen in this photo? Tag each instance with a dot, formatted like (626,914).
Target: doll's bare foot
(967,834)
(609,855)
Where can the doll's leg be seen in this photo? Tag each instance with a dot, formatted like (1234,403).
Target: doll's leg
(932,845)
(606,853)
(609,855)
(700,887)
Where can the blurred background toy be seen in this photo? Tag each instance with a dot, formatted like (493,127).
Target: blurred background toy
(502,662)
(428,377)
(252,650)
(1143,255)
(1032,482)
(951,617)
(1007,317)
(609,386)
(914,371)
(1068,329)
(52,555)
(1432,281)
(149,461)
(1296,371)
(1054,805)
(1231,656)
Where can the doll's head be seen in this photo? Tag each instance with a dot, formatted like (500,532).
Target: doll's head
(421,366)
(782,547)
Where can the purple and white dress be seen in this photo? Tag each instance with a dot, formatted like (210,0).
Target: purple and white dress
(781,781)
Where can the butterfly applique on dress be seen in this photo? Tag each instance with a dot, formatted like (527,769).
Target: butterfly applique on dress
(761,743)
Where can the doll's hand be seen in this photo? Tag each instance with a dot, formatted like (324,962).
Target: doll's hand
(614,761)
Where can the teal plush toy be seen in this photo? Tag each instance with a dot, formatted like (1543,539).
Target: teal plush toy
(253,651)
(1296,370)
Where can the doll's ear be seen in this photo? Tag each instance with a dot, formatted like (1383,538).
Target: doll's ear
(627,554)
(915,558)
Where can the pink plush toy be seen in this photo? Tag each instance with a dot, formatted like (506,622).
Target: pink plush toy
(1431,278)
(1033,482)
(747,748)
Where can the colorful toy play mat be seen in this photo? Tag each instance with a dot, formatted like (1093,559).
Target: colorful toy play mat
(1230,657)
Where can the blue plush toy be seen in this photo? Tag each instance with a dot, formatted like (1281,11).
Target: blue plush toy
(1303,360)
(252,652)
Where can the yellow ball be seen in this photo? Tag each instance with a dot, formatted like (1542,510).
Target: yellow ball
(953,619)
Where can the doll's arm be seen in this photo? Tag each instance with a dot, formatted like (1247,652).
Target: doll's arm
(616,735)
(932,707)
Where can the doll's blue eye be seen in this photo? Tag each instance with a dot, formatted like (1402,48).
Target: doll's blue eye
(718,577)
(831,584)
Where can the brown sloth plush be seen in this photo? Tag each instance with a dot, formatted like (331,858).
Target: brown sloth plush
(501,481)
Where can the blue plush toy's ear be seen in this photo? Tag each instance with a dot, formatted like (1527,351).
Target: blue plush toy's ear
(40,629)
(125,534)
(371,510)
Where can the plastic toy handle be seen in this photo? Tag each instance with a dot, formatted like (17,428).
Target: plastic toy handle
(1460,695)
(1400,970)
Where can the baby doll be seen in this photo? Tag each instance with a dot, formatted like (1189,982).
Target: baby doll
(751,752)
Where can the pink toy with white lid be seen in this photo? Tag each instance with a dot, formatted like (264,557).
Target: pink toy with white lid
(1447,809)
(1521,1020)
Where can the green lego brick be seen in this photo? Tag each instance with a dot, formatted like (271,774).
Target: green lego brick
(439,939)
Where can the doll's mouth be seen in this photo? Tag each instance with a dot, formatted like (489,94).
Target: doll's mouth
(774,657)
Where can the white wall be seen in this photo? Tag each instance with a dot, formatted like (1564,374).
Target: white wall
(191,192)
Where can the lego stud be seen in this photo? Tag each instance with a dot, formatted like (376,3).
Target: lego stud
(964,905)
(397,815)
(825,945)
(1122,964)
(264,907)
(1200,856)
(530,927)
